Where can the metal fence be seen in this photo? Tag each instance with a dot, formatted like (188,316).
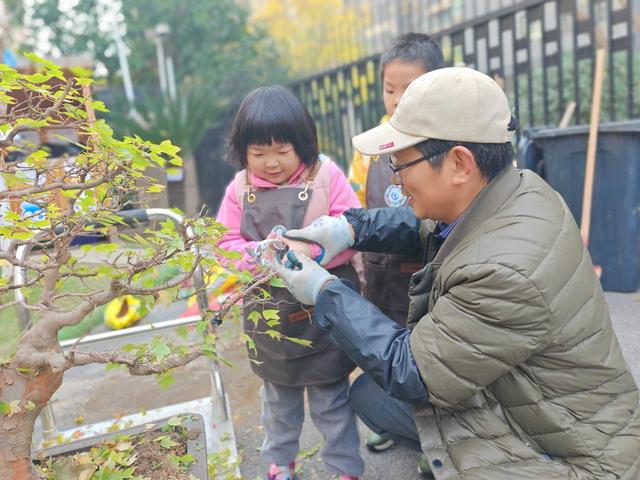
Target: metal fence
(541,51)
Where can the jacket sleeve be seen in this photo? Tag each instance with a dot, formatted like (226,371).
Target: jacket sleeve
(230,215)
(372,340)
(489,319)
(386,230)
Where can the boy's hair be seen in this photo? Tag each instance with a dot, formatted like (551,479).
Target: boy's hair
(413,47)
(272,114)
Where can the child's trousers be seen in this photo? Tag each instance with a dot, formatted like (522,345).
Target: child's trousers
(283,415)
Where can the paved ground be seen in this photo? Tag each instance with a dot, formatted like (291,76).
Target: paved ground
(95,395)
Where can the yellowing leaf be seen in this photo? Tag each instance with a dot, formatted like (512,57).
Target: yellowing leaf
(14,407)
(123,446)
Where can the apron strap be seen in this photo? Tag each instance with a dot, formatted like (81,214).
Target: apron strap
(251,196)
(304,195)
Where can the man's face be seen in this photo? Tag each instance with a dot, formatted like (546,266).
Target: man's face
(430,191)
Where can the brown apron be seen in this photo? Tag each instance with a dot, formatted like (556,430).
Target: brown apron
(387,275)
(285,362)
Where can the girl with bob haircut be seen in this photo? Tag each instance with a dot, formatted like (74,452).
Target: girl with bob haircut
(285,181)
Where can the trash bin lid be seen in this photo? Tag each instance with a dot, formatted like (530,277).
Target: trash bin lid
(627,126)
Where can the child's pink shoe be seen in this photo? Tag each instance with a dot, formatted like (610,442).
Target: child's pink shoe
(347,477)
(281,472)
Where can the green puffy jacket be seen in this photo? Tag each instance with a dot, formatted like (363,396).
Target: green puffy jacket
(515,345)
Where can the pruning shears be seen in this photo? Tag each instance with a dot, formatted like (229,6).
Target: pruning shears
(274,250)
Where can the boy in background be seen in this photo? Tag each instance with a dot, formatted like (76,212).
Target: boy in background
(387,275)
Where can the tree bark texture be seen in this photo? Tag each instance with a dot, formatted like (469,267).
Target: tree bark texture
(29,392)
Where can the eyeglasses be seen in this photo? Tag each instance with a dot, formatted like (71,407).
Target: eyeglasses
(396,169)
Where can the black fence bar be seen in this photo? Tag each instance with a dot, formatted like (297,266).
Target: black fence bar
(541,51)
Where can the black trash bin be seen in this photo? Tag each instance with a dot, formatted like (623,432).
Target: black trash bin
(614,239)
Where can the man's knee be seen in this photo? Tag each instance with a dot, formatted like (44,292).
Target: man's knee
(360,393)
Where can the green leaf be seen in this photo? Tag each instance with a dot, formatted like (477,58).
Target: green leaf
(300,341)
(165,441)
(251,345)
(254,317)
(277,282)
(274,334)
(99,106)
(175,421)
(182,331)
(80,72)
(83,81)
(201,326)
(37,78)
(271,314)
(31,123)
(11,180)
(165,379)
(5,408)
(156,188)
(13,408)
(130,347)
(70,193)
(167,147)
(26,371)
(112,366)
(309,453)
(107,247)
(160,349)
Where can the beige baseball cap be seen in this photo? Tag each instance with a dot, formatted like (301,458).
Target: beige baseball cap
(457,103)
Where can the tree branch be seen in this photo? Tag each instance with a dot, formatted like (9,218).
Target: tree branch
(235,297)
(75,358)
(23,192)
(48,112)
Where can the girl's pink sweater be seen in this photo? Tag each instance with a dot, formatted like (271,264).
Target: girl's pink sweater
(341,198)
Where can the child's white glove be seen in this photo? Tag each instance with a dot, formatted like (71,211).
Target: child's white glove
(306,281)
(333,234)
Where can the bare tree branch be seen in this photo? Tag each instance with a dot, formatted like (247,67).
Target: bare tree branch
(29,283)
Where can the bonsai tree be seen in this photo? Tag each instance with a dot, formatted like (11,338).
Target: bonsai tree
(66,198)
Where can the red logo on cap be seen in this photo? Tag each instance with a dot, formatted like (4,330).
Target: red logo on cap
(384,146)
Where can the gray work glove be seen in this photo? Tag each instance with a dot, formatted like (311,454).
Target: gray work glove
(306,281)
(333,234)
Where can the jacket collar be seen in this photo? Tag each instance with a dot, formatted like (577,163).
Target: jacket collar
(484,206)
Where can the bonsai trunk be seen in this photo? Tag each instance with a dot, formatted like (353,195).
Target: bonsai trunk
(27,394)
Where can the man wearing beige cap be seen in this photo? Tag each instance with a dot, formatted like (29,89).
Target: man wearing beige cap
(509,367)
